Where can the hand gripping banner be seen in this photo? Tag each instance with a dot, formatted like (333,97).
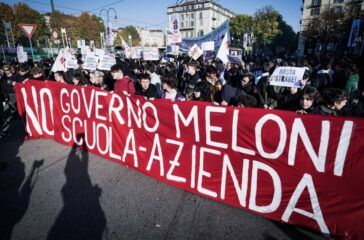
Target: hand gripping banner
(305,170)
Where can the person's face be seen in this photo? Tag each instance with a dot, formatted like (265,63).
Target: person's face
(306,102)
(340,104)
(37,75)
(58,78)
(144,83)
(244,81)
(191,70)
(116,75)
(23,72)
(197,94)
(75,81)
(303,82)
(211,75)
(165,86)
(7,71)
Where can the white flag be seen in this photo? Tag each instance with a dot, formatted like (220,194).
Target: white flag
(126,47)
(60,63)
(223,52)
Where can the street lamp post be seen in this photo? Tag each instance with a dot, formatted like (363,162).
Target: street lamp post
(109,35)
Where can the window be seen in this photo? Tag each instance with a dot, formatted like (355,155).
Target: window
(183,17)
(200,33)
(192,24)
(338,10)
(200,15)
(182,25)
(316,2)
(315,11)
(192,15)
(338,1)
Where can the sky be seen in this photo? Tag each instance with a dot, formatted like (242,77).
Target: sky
(153,13)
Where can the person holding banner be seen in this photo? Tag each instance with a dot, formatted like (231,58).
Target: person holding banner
(79,79)
(147,89)
(60,77)
(37,74)
(124,84)
(202,92)
(97,80)
(309,100)
(24,72)
(169,85)
(334,102)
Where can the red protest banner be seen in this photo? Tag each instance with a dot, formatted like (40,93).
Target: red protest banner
(303,170)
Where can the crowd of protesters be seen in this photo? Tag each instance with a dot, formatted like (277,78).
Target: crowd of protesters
(330,86)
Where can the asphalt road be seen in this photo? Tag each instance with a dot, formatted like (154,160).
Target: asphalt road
(50,191)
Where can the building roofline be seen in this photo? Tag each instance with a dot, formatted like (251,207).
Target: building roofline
(194,2)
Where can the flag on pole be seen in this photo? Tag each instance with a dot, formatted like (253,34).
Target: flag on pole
(126,47)
(60,63)
(223,52)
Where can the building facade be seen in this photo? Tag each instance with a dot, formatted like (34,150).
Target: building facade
(313,8)
(151,37)
(198,17)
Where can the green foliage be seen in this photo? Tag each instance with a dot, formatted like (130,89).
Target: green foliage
(266,25)
(130,30)
(6,15)
(287,39)
(239,25)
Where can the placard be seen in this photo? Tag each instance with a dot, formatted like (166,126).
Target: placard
(287,77)
(150,54)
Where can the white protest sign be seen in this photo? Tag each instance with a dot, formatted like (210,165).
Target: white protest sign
(136,52)
(195,52)
(106,62)
(79,44)
(71,63)
(208,46)
(99,52)
(84,49)
(173,37)
(287,77)
(21,55)
(90,62)
(150,54)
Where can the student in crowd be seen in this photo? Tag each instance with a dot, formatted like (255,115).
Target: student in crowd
(24,72)
(154,78)
(191,80)
(97,80)
(60,77)
(246,86)
(8,81)
(123,83)
(147,89)
(333,102)
(246,101)
(202,92)
(79,79)
(352,82)
(309,100)
(170,91)
(37,74)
